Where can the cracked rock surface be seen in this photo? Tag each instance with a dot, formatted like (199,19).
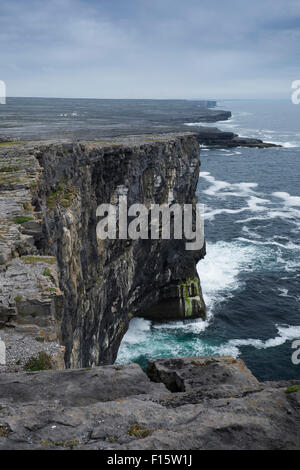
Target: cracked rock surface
(118,407)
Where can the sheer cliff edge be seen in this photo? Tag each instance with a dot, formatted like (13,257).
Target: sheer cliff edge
(59,282)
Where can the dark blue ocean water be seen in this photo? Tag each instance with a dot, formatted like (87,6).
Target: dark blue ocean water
(251,274)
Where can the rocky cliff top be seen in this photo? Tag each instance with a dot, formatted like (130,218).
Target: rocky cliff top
(193,403)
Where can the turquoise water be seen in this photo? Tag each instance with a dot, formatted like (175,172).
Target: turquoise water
(250,276)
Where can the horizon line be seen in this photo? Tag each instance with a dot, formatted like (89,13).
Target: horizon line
(148,99)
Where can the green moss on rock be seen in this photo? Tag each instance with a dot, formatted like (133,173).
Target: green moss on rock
(38,259)
(22,219)
(138,431)
(63,195)
(42,362)
(293,389)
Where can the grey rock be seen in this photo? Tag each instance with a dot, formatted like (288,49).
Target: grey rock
(105,283)
(77,387)
(213,137)
(185,374)
(120,409)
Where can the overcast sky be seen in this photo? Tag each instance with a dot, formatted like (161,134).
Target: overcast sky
(150,48)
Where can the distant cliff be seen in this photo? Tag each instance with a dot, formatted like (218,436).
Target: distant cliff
(214,137)
(81,290)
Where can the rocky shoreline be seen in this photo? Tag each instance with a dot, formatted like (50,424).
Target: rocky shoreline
(212,137)
(193,403)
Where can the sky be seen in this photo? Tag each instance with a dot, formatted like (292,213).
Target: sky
(191,49)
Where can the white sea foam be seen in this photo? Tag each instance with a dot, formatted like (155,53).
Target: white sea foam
(251,233)
(257,204)
(219,273)
(220,269)
(288,246)
(285,333)
(283,292)
(211,215)
(289,200)
(287,145)
(196,326)
(222,188)
(138,329)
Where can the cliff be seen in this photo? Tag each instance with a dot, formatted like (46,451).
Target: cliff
(191,403)
(59,283)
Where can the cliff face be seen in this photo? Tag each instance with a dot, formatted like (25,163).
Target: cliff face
(103,283)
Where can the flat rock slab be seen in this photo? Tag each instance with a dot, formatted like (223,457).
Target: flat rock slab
(119,408)
(189,373)
(77,387)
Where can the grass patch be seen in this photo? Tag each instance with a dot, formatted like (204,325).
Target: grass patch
(47,444)
(9,169)
(39,259)
(7,179)
(67,444)
(22,219)
(51,290)
(293,389)
(4,431)
(42,362)
(40,339)
(64,195)
(27,206)
(6,144)
(18,299)
(138,431)
(47,273)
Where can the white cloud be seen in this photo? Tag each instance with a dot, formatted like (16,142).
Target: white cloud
(149,49)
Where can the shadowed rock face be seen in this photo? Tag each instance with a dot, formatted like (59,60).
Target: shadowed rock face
(119,408)
(102,283)
(105,283)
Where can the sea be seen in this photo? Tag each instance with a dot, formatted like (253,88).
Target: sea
(250,276)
